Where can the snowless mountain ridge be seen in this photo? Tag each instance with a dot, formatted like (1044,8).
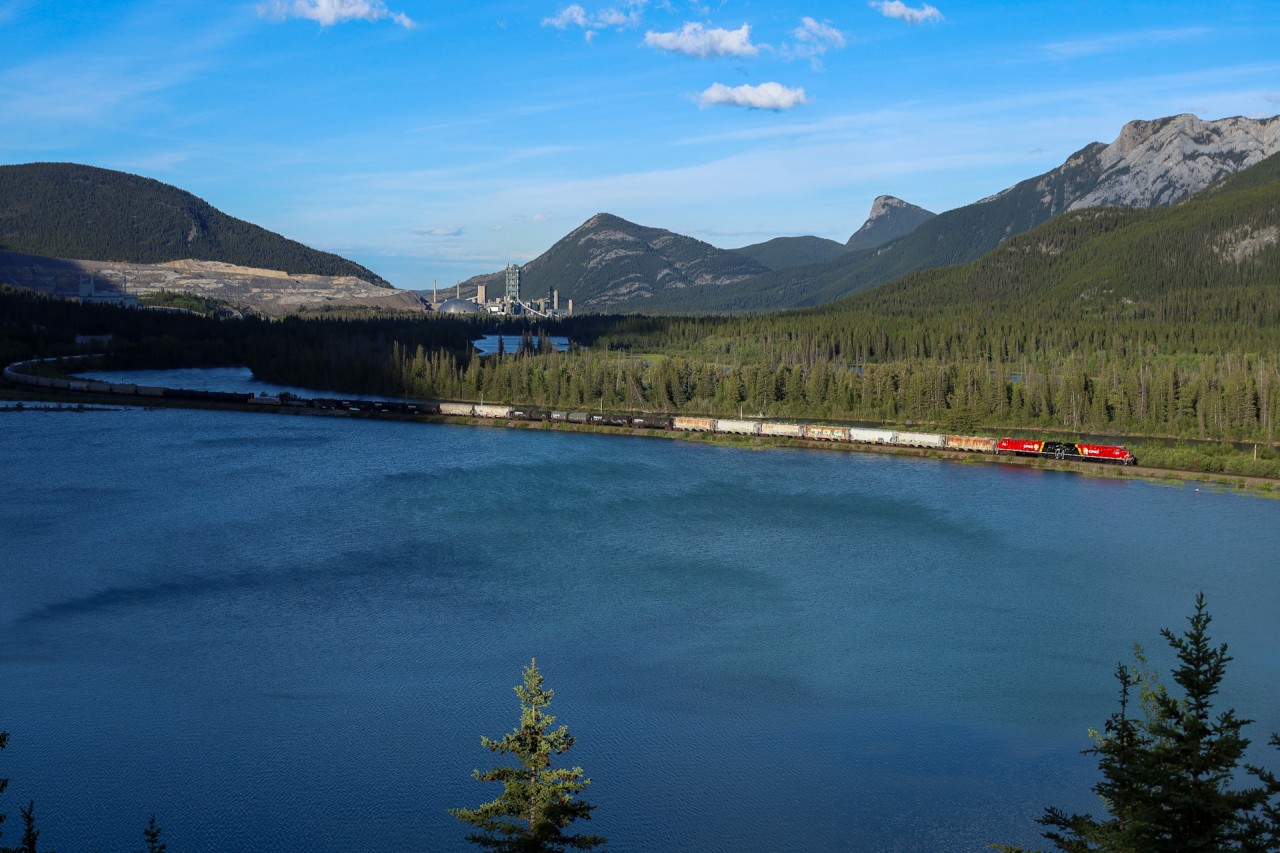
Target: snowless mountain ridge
(890,218)
(1151,163)
(1155,163)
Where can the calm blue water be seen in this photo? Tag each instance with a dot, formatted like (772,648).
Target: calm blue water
(234,379)
(289,632)
(488,344)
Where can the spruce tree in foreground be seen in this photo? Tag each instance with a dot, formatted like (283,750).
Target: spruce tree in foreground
(1168,777)
(537,802)
(1265,824)
(152,835)
(4,783)
(30,835)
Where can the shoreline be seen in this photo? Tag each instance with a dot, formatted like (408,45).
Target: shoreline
(86,401)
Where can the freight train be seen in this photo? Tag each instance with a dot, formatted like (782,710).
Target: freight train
(1115,454)
(1065,450)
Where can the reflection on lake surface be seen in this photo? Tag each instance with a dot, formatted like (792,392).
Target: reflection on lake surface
(289,633)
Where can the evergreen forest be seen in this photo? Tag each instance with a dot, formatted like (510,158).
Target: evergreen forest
(65,210)
(1154,323)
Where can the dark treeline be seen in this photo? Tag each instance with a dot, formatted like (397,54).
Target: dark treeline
(1234,398)
(1135,377)
(326,353)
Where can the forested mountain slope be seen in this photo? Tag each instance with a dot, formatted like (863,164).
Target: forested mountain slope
(66,210)
(1213,258)
(1198,279)
(785,252)
(1104,321)
(1151,163)
(608,261)
(890,218)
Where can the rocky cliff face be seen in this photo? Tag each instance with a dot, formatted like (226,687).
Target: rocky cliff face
(1153,163)
(890,218)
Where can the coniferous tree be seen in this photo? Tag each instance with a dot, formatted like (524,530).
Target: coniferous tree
(1169,778)
(4,783)
(1116,747)
(152,835)
(538,802)
(1264,825)
(1194,754)
(30,835)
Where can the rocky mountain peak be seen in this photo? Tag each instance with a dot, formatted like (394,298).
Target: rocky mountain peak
(608,261)
(1158,162)
(890,218)
(884,205)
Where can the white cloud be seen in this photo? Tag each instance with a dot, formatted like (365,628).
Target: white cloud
(813,39)
(574,15)
(696,40)
(1120,41)
(569,16)
(445,231)
(330,12)
(903,12)
(813,32)
(766,96)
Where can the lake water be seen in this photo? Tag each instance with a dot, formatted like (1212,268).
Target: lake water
(289,632)
(489,344)
(235,379)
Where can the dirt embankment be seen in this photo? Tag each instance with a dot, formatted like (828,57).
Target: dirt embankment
(271,292)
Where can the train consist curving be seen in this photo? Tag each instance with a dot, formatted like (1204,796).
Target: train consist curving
(1116,454)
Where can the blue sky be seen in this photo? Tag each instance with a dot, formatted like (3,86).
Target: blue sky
(434,141)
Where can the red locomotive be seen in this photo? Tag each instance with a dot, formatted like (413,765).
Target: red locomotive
(1116,453)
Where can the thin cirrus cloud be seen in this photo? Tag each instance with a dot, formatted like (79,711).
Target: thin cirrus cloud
(575,15)
(1121,41)
(766,96)
(329,12)
(813,39)
(697,41)
(445,231)
(902,12)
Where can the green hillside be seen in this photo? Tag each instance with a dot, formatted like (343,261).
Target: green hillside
(786,252)
(1211,259)
(608,259)
(959,235)
(1149,322)
(65,210)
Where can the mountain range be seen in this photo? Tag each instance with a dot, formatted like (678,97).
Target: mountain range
(890,219)
(63,210)
(1211,262)
(609,264)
